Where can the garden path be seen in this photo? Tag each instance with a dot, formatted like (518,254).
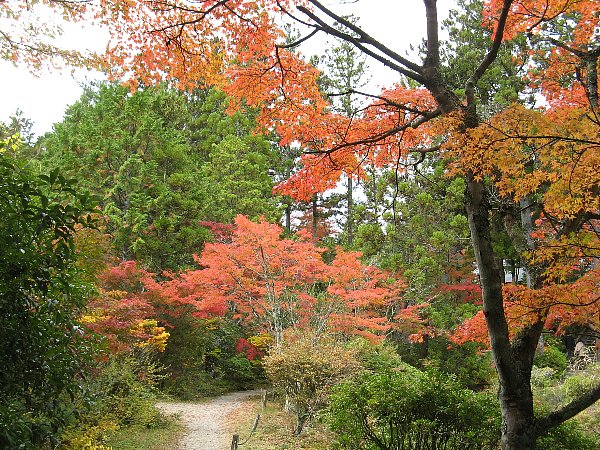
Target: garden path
(205,423)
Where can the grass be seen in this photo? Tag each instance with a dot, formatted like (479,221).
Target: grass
(274,431)
(164,437)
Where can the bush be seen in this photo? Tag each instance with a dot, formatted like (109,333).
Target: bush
(409,409)
(472,368)
(569,435)
(42,351)
(15,425)
(240,370)
(121,394)
(580,383)
(551,394)
(552,357)
(376,357)
(542,377)
(126,389)
(304,368)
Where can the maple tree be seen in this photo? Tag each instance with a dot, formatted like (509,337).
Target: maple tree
(30,32)
(276,284)
(123,317)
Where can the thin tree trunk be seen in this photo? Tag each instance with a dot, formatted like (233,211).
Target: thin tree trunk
(288,216)
(350,221)
(314,219)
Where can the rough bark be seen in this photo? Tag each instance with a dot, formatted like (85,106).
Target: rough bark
(513,368)
(592,79)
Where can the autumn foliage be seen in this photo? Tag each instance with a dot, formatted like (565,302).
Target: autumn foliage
(275,284)
(121,314)
(543,22)
(547,155)
(544,158)
(533,172)
(561,306)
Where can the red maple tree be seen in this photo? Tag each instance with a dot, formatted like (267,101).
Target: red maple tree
(275,284)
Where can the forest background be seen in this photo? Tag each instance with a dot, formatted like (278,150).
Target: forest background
(171,274)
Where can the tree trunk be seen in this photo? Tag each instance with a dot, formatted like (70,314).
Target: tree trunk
(300,422)
(349,221)
(314,219)
(513,362)
(288,216)
(518,430)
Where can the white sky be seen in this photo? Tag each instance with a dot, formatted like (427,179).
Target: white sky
(43,99)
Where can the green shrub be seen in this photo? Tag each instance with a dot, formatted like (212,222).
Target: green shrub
(126,389)
(580,383)
(569,435)
(196,384)
(241,371)
(552,357)
(472,368)
(121,394)
(376,357)
(542,377)
(42,293)
(15,425)
(409,409)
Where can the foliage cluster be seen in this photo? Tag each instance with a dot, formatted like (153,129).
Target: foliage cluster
(162,161)
(404,408)
(120,393)
(305,370)
(275,284)
(42,351)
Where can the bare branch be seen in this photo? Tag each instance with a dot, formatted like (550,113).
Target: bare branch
(544,424)
(380,137)
(433,41)
(386,100)
(490,56)
(367,39)
(299,41)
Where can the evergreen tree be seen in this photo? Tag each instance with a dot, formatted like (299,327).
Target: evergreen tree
(162,161)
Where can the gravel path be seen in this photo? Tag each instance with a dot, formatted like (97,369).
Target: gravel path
(205,423)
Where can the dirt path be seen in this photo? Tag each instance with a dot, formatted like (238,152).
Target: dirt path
(206,427)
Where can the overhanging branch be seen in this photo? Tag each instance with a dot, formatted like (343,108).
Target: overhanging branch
(490,57)
(380,137)
(546,423)
(367,39)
